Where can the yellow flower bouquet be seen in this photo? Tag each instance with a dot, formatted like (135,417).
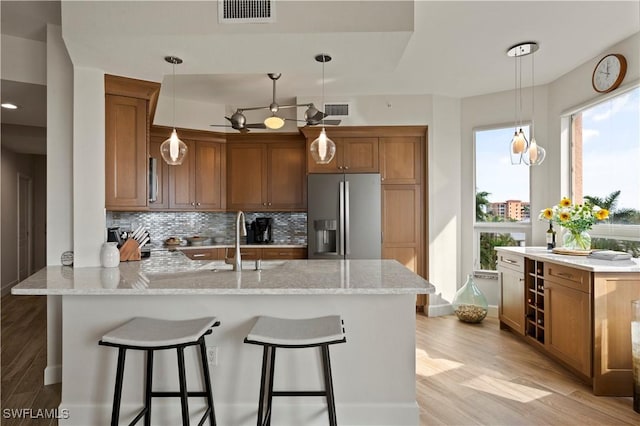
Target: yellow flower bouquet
(575,218)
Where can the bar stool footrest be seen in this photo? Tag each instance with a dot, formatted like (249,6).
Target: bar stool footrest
(178,394)
(299,393)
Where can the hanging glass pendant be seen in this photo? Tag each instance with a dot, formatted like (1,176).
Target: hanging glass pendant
(535,155)
(173,150)
(323,149)
(518,147)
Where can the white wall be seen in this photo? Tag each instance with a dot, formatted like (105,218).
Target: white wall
(189,114)
(444,212)
(89,221)
(25,60)
(59,183)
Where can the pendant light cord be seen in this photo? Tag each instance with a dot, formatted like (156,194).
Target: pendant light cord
(174,95)
(323,105)
(515,94)
(533,91)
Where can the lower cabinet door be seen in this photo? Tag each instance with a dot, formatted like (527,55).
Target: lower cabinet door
(511,310)
(568,326)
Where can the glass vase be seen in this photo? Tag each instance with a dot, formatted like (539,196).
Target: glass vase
(576,240)
(469,303)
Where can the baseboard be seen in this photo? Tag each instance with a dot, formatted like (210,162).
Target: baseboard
(440,310)
(166,412)
(7,288)
(492,312)
(52,374)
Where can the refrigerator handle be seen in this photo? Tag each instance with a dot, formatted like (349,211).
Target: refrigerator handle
(346,218)
(341,220)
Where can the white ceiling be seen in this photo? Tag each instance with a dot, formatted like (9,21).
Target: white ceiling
(450,48)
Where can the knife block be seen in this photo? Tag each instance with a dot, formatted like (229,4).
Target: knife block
(130,250)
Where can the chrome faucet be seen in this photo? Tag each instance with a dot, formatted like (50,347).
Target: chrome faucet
(237,259)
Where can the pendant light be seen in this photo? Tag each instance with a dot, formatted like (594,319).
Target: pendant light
(536,154)
(521,150)
(322,148)
(173,150)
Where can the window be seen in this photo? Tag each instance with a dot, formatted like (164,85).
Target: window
(605,154)
(503,214)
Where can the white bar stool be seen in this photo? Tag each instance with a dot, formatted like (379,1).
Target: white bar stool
(150,334)
(272,333)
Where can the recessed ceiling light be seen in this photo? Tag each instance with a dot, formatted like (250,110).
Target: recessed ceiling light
(9,106)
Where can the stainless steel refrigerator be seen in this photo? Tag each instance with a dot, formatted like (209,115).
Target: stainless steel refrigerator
(343,219)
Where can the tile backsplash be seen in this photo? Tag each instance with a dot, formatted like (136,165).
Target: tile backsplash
(288,228)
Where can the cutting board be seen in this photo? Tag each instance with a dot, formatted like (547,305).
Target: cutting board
(570,252)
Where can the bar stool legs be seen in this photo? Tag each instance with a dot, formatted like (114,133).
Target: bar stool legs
(328,384)
(149,335)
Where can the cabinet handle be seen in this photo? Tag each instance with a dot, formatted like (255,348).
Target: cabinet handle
(197,204)
(564,275)
(340,167)
(513,262)
(199,255)
(264,204)
(268,204)
(193,204)
(346,167)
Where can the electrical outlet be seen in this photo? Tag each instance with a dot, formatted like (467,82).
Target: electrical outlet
(212,355)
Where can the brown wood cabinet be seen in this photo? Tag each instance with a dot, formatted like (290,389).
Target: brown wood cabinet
(266,173)
(567,313)
(401,160)
(402,225)
(204,253)
(129,108)
(511,310)
(284,253)
(579,318)
(199,183)
(353,155)
(612,294)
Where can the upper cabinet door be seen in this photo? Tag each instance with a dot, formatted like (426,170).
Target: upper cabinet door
(353,155)
(209,175)
(126,153)
(401,159)
(246,169)
(182,187)
(359,155)
(286,177)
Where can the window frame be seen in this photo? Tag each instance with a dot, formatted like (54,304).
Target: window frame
(603,230)
(496,227)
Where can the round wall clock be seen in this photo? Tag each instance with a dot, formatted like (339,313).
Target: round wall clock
(609,73)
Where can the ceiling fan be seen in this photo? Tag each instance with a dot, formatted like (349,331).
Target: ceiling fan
(312,116)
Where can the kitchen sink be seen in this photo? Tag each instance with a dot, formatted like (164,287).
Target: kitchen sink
(247,265)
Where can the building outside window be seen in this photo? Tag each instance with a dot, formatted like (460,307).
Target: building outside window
(503,214)
(605,157)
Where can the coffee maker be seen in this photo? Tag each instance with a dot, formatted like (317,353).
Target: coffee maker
(262,228)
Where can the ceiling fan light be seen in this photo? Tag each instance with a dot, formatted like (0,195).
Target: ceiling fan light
(173,150)
(322,149)
(274,122)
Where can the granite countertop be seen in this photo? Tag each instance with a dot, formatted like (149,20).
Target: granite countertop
(579,262)
(172,273)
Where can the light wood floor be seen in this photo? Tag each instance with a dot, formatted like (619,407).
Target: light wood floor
(466,375)
(476,374)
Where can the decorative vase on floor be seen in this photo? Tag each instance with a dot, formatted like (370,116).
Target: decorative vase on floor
(576,240)
(469,303)
(110,255)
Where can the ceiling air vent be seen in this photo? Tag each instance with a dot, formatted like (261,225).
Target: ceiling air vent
(337,109)
(246,11)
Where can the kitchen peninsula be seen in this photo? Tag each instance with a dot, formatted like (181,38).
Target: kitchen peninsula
(374,372)
(576,309)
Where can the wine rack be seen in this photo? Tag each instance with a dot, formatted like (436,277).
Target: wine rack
(534,298)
